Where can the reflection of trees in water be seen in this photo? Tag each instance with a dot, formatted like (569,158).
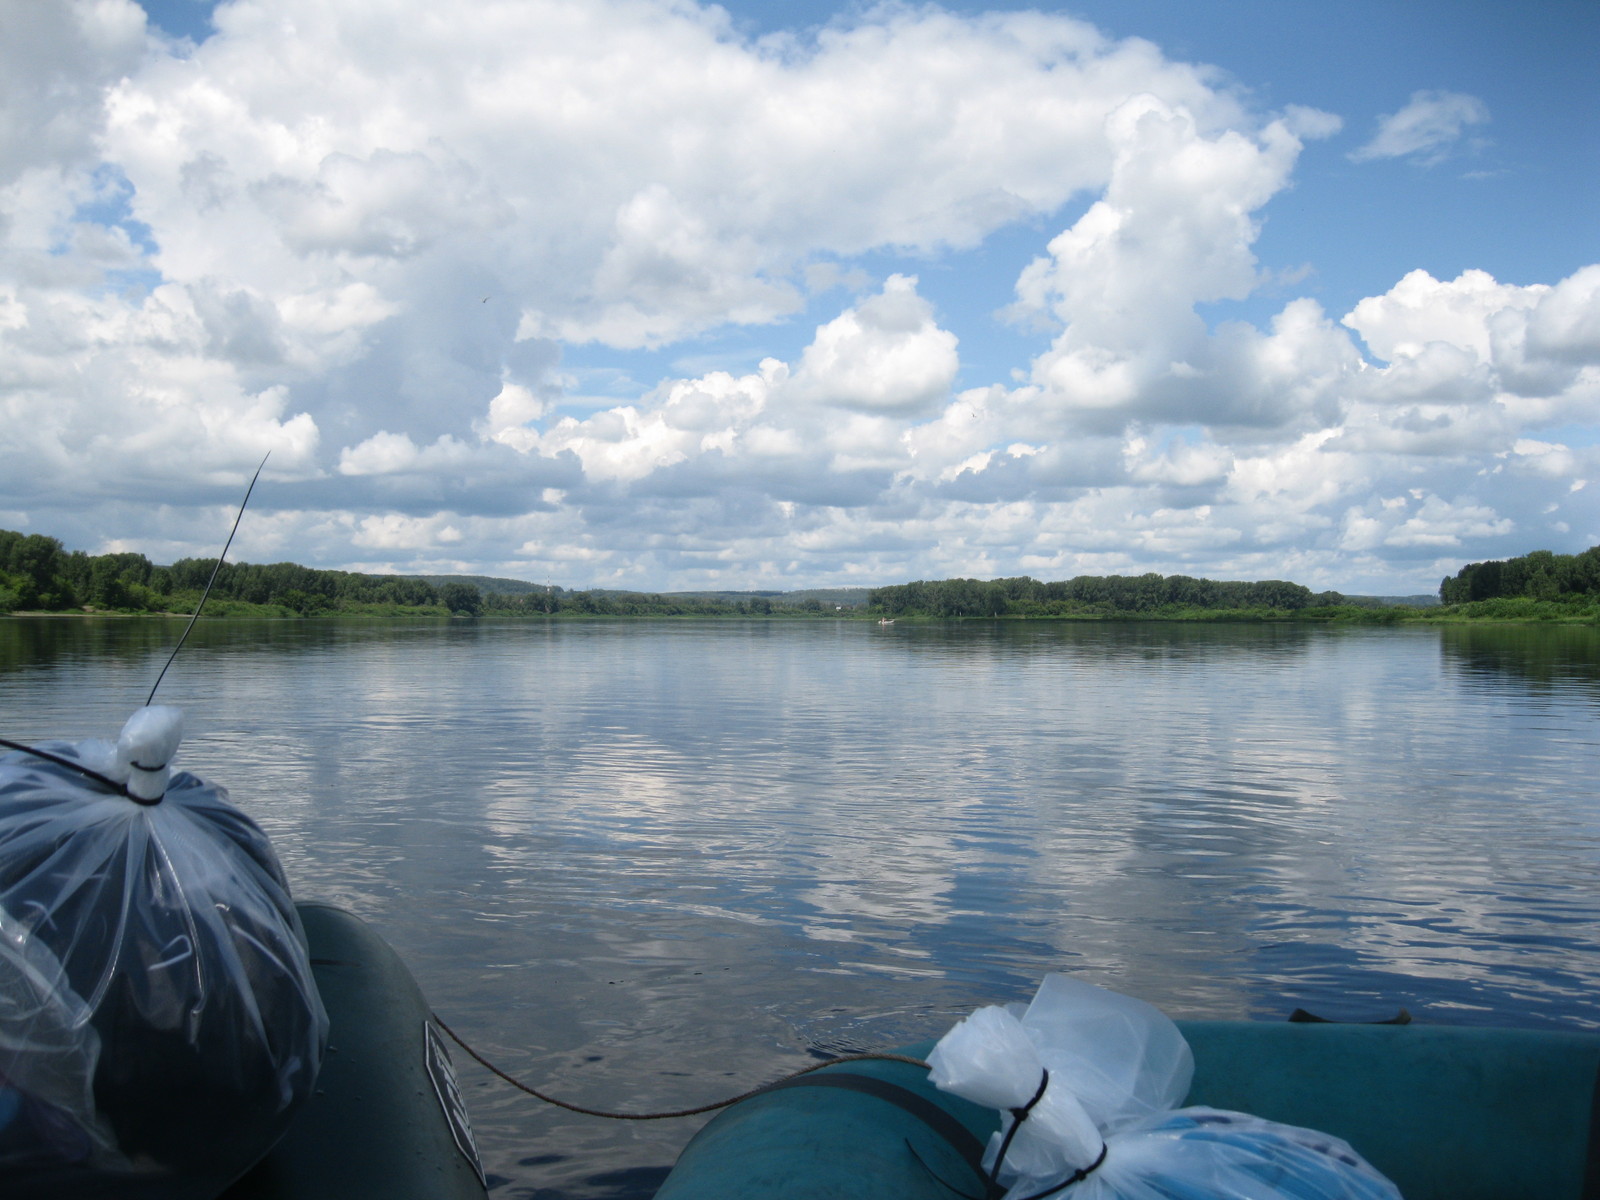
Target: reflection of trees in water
(1101,643)
(39,641)
(1545,655)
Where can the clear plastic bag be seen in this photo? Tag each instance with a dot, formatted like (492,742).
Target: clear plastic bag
(1208,1154)
(161,1011)
(1121,1067)
(48,1052)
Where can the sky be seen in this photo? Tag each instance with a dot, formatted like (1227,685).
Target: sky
(786,294)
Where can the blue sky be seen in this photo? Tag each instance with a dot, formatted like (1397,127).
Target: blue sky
(638,293)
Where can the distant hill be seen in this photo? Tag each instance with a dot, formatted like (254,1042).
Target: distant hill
(487,583)
(1428,600)
(847,597)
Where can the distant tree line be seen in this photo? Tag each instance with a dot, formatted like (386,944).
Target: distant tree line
(1092,595)
(38,574)
(1541,575)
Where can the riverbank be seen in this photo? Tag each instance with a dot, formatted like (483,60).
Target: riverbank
(1515,610)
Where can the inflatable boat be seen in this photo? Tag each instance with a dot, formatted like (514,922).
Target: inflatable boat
(386,1121)
(1447,1113)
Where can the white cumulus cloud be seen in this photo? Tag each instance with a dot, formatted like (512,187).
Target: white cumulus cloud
(365,237)
(886,355)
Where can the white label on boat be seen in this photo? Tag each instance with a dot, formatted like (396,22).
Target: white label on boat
(443,1073)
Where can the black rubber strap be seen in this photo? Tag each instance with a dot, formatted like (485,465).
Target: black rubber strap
(956,1135)
(1301,1017)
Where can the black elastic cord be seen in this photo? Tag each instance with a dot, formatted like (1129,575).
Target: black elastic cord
(1044,1082)
(1018,1116)
(1078,1176)
(74,765)
(683,1112)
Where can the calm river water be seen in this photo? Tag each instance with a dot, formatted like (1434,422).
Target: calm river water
(647,864)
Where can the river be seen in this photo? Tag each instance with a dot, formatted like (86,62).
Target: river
(645,864)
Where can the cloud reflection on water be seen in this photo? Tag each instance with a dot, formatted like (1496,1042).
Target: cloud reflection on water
(656,862)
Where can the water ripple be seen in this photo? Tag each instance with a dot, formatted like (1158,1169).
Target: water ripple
(649,864)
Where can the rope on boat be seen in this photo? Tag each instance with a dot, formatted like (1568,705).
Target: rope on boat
(685,1112)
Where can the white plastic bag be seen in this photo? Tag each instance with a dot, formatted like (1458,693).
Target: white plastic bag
(1118,1068)
(182,992)
(990,1059)
(1122,1058)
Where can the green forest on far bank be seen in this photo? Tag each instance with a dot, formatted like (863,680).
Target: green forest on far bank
(37,574)
(1540,586)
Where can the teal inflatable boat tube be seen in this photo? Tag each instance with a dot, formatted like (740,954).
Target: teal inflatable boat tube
(861,1129)
(385,1121)
(1447,1113)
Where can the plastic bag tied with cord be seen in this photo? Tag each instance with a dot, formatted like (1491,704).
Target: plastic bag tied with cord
(159,1024)
(1107,1123)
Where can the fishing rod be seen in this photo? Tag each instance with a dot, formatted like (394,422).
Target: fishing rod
(104,780)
